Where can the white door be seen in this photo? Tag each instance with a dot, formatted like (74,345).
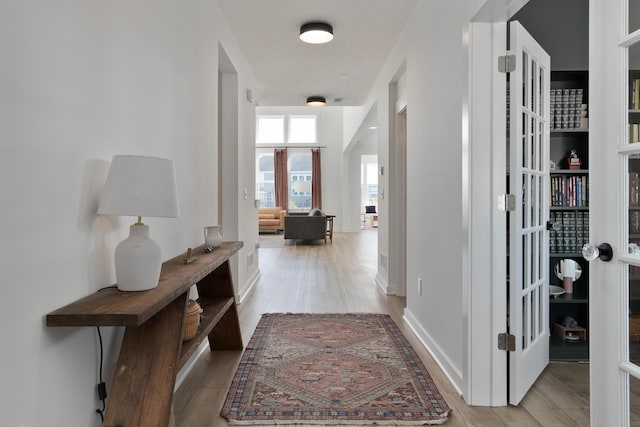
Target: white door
(528,288)
(614,108)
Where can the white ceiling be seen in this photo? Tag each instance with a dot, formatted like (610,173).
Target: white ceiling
(288,70)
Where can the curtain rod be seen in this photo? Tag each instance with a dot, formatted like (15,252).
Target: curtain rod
(290,146)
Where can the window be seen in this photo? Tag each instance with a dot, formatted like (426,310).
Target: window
(302,129)
(270,130)
(265,185)
(285,130)
(299,180)
(369,180)
(299,130)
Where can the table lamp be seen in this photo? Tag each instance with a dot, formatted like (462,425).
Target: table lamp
(139,186)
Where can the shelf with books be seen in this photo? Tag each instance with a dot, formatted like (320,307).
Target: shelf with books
(569,190)
(634,106)
(569,232)
(569,210)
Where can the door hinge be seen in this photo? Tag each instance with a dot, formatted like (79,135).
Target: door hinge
(506,63)
(506,342)
(506,202)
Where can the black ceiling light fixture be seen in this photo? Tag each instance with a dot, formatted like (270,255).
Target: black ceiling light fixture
(316,32)
(316,101)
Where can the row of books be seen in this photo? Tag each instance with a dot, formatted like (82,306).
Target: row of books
(572,234)
(634,189)
(569,191)
(567,109)
(634,132)
(634,103)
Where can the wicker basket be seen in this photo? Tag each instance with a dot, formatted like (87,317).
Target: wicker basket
(192,320)
(634,328)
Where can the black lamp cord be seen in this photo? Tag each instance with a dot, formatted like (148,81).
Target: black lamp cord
(102,388)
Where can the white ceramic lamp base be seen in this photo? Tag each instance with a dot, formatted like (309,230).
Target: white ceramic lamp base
(138,260)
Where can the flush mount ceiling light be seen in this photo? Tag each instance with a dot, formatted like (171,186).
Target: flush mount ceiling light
(316,32)
(316,101)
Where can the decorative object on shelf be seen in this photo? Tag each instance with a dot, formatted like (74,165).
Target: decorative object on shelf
(191,320)
(212,237)
(570,332)
(555,290)
(567,268)
(568,271)
(552,165)
(139,186)
(573,161)
(190,258)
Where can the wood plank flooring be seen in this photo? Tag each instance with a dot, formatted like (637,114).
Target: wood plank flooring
(339,278)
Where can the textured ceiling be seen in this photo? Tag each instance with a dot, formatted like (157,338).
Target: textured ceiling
(288,70)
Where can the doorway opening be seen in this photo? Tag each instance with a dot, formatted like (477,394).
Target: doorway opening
(369,191)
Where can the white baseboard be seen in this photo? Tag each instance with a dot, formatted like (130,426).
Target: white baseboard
(251,283)
(184,372)
(451,372)
(384,286)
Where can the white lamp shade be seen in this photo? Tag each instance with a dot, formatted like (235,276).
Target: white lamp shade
(140,186)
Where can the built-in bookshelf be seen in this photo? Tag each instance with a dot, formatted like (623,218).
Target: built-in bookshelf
(569,211)
(634,215)
(634,106)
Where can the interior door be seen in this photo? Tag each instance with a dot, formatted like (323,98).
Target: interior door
(528,289)
(614,79)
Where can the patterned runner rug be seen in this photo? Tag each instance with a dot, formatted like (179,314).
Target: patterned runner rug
(332,369)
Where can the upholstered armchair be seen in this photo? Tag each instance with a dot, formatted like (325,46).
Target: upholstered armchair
(271,219)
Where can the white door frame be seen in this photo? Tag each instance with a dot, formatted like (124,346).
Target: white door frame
(484,149)
(401,200)
(608,193)
(484,275)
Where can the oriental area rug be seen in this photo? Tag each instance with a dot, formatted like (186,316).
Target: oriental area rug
(336,369)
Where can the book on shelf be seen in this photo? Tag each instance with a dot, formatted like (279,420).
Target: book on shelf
(634,133)
(635,95)
(572,234)
(633,189)
(569,191)
(567,109)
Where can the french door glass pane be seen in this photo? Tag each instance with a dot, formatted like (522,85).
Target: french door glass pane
(634,15)
(634,400)
(634,94)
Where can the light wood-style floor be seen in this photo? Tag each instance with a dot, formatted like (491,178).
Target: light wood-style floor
(339,278)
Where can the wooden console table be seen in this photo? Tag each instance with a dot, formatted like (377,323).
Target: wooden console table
(152,351)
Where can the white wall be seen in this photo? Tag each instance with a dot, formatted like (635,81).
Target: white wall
(83,80)
(330,135)
(436,57)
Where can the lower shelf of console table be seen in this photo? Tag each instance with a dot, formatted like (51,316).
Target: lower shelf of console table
(152,351)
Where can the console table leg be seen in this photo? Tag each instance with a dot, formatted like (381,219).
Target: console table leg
(142,390)
(226,335)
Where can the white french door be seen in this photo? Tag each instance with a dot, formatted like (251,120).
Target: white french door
(614,82)
(528,288)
